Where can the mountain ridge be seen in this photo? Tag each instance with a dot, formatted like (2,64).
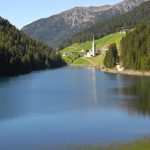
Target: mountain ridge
(57,28)
(127,20)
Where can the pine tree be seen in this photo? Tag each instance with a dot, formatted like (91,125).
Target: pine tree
(111,57)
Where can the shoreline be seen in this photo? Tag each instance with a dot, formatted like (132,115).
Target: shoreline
(115,71)
(137,144)
(128,72)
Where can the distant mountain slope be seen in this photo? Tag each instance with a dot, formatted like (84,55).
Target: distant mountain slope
(112,25)
(21,54)
(55,29)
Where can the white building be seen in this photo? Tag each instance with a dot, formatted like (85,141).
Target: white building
(104,48)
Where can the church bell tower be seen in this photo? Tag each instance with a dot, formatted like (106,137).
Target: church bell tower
(93,47)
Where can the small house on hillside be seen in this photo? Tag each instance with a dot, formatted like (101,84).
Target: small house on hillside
(124,30)
(105,48)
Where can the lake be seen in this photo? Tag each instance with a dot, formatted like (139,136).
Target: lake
(60,108)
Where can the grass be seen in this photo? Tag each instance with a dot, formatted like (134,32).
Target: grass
(71,58)
(137,145)
(112,38)
(107,40)
(98,59)
(81,61)
(72,48)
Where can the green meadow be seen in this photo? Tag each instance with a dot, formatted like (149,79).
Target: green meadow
(107,40)
(81,61)
(136,145)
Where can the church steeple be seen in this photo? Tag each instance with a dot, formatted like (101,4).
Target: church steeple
(93,47)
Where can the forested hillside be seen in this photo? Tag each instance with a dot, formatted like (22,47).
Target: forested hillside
(21,54)
(127,20)
(135,48)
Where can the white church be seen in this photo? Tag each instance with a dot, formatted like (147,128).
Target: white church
(92,53)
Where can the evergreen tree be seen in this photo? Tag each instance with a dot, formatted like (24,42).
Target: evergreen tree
(111,57)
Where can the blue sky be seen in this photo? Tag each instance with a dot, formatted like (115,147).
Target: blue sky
(23,12)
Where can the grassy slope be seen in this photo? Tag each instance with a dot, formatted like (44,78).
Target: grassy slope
(112,38)
(137,145)
(98,59)
(107,40)
(81,61)
(72,48)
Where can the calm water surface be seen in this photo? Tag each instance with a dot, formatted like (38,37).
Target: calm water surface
(52,109)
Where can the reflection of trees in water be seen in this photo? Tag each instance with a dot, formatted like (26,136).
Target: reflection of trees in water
(140,89)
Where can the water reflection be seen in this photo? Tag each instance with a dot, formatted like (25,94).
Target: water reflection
(139,90)
(72,89)
(72,106)
(93,87)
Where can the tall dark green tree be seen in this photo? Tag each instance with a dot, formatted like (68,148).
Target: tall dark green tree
(111,57)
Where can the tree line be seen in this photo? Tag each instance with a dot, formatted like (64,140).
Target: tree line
(20,54)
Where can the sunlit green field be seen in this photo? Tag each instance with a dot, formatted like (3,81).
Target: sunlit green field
(107,40)
(81,61)
(98,60)
(72,48)
(137,145)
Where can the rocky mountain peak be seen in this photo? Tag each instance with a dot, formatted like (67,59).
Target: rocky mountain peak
(128,5)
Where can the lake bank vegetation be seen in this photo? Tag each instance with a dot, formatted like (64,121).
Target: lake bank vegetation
(143,144)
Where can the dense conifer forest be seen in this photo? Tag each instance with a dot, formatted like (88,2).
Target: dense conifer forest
(135,48)
(20,54)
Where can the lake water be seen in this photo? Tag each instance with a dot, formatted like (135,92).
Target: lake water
(53,109)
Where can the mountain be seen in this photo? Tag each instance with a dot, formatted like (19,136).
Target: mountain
(55,29)
(114,24)
(21,54)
